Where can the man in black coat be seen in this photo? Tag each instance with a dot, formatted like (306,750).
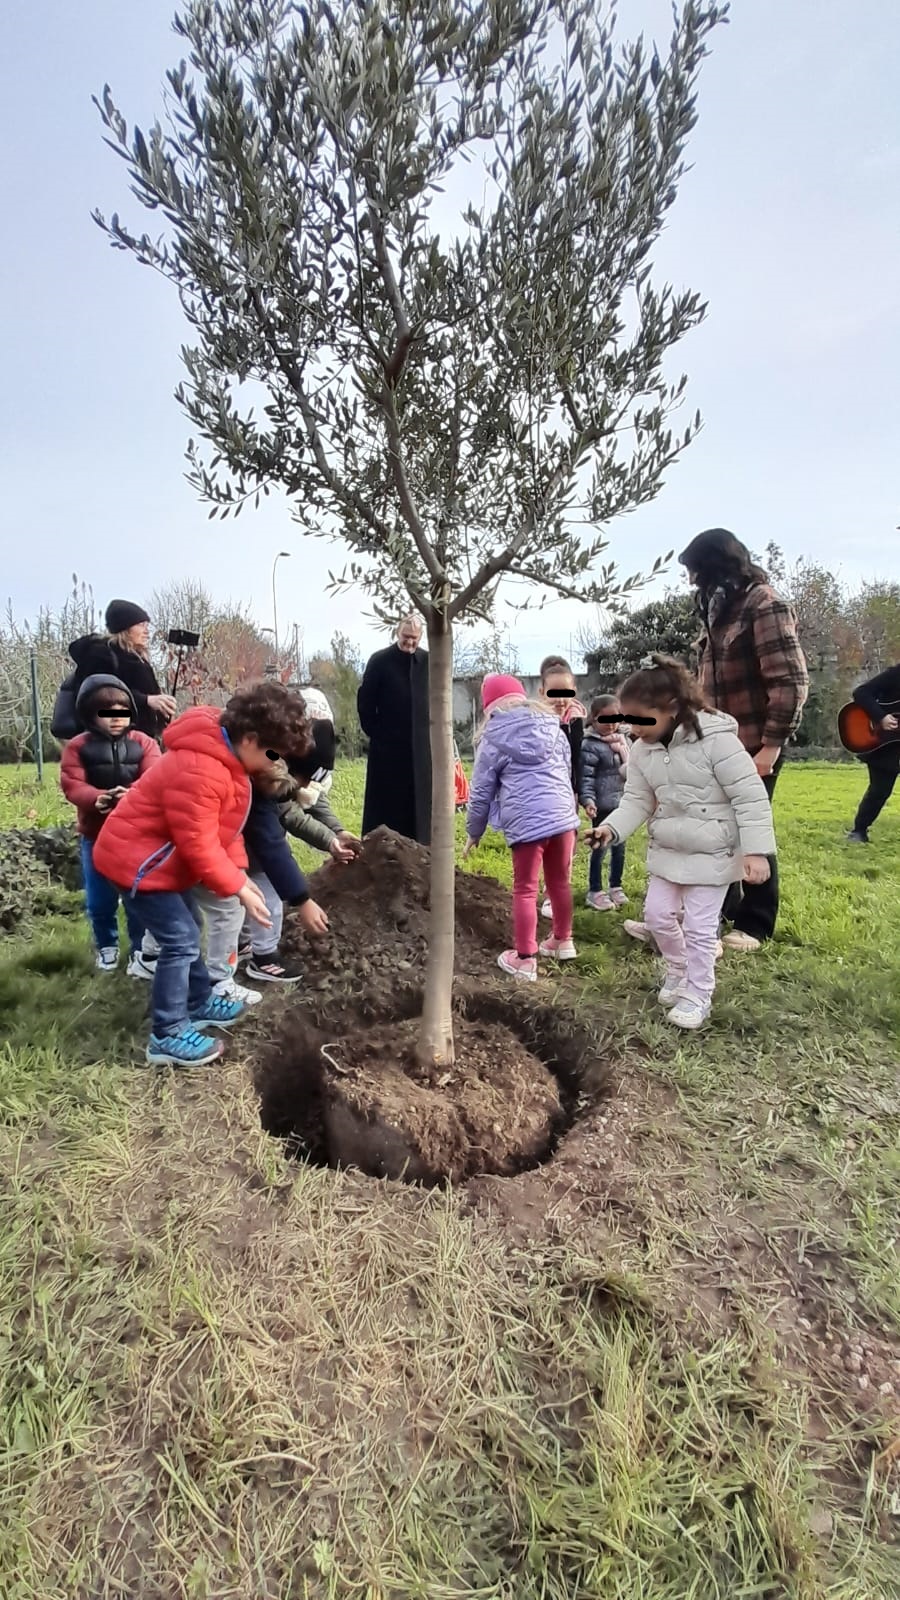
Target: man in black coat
(880,697)
(393,711)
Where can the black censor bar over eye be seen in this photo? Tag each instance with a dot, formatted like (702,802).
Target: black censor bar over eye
(560,694)
(633,722)
(116,711)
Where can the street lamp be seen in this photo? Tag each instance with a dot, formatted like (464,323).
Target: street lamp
(274,601)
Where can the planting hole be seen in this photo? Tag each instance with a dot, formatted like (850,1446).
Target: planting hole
(352,1093)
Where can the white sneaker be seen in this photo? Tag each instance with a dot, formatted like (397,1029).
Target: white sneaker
(140,967)
(598,900)
(547,911)
(558,949)
(107,958)
(740,941)
(229,990)
(672,990)
(690,1013)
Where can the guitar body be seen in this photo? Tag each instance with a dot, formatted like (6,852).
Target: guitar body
(860,735)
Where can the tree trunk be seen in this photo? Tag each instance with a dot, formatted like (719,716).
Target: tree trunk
(436,1033)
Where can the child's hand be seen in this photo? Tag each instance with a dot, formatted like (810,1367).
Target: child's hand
(312,919)
(344,848)
(590,809)
(599,838)
(104,802)
(756,869)
(254,903)
(468,847)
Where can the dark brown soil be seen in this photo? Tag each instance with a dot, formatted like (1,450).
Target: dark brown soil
(340,1083)
(378,909)
(496,1110)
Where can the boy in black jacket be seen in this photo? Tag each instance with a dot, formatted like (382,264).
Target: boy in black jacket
(880,697)
(274,871)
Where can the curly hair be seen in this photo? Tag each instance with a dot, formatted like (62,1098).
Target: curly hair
(662,681)
(272,715)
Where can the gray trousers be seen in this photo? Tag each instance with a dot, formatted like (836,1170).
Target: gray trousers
(223,920)
(266,940)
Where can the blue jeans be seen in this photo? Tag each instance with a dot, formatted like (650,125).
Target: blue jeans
(181,984)
(101,899)
(616,853)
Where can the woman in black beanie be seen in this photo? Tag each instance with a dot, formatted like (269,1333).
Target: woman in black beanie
(123,652)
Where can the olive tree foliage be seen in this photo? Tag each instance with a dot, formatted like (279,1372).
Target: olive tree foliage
(461,404)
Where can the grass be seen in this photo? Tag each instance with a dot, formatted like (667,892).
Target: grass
(226,1378)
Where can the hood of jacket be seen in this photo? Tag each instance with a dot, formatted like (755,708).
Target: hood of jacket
(200,730)
(710,722)
(101,680)
(524,736)
(79,648)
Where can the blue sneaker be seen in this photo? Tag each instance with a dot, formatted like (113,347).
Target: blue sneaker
(186,1049)
(219,1012)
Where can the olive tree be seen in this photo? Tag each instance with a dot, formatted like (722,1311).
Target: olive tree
(464,403)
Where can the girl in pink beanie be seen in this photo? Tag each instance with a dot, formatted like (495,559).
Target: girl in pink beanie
(522,785)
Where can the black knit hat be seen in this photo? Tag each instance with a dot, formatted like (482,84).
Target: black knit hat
(123,614)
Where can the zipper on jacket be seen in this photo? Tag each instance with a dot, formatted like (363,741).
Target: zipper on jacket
(157,859)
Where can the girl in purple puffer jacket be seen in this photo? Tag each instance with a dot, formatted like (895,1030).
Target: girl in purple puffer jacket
(522,785)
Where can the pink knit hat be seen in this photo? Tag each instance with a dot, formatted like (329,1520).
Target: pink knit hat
(496,686)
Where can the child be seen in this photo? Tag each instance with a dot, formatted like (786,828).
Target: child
(305,813)
(559,690)
(604,757)
(182,825)
(97,767)
(522,783)
(709,820)
(279,879)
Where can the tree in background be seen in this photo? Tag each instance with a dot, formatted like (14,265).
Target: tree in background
(614,646)
(495,652)
(338,673)
(458,404)
(49,637)
(232,648)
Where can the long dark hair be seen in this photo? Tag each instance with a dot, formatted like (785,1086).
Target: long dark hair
(718,560)
(660,681)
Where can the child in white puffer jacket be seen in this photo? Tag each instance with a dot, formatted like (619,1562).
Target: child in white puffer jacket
(709,820)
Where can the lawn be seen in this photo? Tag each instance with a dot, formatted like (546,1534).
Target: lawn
(666,1366)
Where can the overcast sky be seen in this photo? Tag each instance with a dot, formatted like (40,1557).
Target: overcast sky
(788,225)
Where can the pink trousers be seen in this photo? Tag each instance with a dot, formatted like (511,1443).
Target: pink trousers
(687,947)
(555,856)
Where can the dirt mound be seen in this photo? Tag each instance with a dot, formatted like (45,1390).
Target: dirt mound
(342,1085)
(378,909)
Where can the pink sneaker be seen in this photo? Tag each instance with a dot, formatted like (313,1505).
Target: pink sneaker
(598,900)
(618,897)
(558,949)
(522,967)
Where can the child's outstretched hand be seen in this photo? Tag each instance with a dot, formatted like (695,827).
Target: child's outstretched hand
(756,869)
(253,900)
(468,847)
(590,809)
(312,919)
(599,838)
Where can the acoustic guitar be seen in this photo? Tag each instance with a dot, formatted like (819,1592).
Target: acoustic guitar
(860,735)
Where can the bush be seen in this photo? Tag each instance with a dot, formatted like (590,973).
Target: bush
(32,862)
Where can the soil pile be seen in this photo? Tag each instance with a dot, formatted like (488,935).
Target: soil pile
(378,910)
(495,1111)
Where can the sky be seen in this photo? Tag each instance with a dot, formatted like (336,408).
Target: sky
(788,224)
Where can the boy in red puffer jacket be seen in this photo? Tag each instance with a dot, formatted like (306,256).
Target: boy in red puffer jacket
(182,825)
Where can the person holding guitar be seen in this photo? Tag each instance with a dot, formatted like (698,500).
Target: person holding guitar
(879,745)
